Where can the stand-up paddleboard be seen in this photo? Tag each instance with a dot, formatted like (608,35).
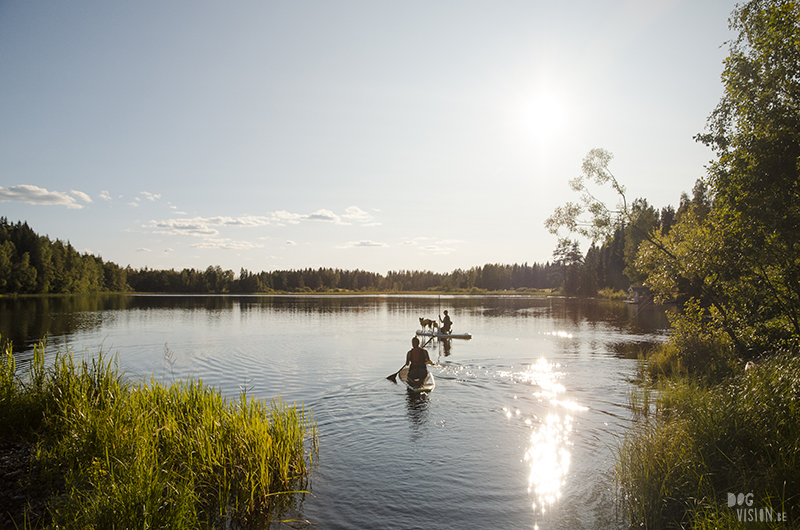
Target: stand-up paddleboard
(427,385)
(443,335)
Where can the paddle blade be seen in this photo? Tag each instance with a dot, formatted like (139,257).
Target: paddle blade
(393,377)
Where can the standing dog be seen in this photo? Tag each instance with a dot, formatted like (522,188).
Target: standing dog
(428,323)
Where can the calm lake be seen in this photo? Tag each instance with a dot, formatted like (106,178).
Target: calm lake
(518,433)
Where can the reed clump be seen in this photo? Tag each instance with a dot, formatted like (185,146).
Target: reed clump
(612,294)
(695,442)
(150,455)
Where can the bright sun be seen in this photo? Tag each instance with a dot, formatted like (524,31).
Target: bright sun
(545,116)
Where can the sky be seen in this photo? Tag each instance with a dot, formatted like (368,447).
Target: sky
(373,135)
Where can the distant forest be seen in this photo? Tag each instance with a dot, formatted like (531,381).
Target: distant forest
(34,264)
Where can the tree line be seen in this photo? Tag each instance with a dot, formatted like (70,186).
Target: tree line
(490,277)
(30,263)
(34,264)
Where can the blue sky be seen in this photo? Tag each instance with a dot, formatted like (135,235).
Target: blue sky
(422,135)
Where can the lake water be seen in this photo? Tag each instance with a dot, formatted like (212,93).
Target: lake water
(518,433)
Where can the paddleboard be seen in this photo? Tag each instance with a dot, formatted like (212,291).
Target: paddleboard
(427,385)
(443,335)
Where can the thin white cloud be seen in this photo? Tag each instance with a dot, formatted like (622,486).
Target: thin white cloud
(361,244)
(436,249)
(356,214)
(282,216)
(206,226)
(187,227)
(430,245)
(149,196)
(105,195)
(247,220)
(325,215)
(167,250)
(290,243)
(202,226)
(226,244)
(80,195)
(36,195)
(143,249)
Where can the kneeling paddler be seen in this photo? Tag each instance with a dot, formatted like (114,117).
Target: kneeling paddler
(417,359)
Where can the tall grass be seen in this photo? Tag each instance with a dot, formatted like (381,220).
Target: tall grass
(154,455)
(702,441)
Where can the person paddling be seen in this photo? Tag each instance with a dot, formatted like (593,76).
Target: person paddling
(417,359)
(446,323)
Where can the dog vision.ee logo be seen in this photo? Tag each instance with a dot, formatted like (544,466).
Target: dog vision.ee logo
(746,512)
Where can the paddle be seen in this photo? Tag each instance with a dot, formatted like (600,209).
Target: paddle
(393,377)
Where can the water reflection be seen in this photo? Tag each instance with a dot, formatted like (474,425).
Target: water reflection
(417,404)
(332,353)
(548,453)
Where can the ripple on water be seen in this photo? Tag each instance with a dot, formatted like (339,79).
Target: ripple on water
(516,434)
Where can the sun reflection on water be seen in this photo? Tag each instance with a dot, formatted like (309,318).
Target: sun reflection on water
(549,449)
(548,457)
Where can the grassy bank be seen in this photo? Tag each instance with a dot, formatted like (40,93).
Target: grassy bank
(115,454)
(698,439)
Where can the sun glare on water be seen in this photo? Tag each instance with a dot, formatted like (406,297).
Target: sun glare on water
(549,448)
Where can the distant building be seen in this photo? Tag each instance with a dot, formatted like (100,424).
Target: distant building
(639,295)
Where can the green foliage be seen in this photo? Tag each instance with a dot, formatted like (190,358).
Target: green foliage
(621,229)
(738,248)
(734,253)
(603,220)
(644,222)
(612,294)
(568,263)
(155,456)
(697,347)
(22,396)
(33,264)
(700,442)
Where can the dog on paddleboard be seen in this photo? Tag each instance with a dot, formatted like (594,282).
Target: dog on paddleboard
(428,323)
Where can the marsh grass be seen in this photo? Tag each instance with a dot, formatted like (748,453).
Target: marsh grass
(154,455)
(698,442)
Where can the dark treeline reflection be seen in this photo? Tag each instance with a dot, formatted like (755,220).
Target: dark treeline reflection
(26,320)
